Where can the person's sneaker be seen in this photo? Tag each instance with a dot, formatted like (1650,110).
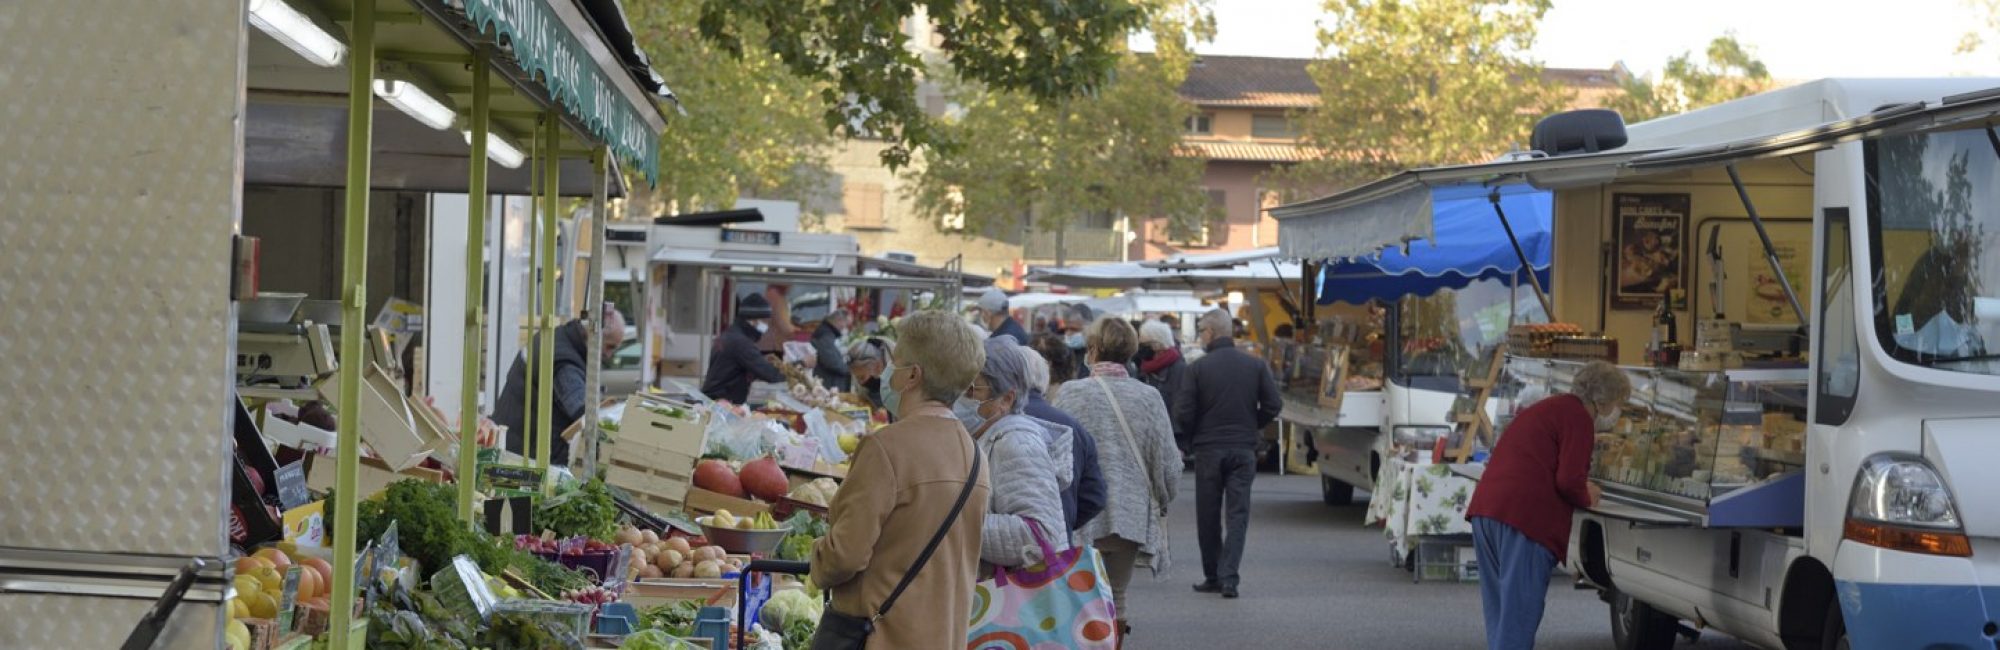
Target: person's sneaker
(1210,587)
(1229,592)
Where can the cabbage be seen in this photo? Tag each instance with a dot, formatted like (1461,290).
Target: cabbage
(653,640)
(790,605)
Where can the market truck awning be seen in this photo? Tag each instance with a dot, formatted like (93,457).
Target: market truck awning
(1980,107)
(1131,275)
(1402,207)
(1468,246)
(1213,260)
(549,57)
(910,270)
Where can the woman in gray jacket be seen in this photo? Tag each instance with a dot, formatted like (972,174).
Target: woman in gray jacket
(1135,451)
(1029,459)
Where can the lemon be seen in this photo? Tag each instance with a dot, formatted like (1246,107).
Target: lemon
(237,609)
(246,585)
(263,605)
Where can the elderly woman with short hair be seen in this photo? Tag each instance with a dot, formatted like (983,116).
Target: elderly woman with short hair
(900,491)
(1538,476)
(1030,459)
(866,360)
(1136,453)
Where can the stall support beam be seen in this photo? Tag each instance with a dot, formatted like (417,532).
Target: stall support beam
(545,416)
(1770,252)
(594,310)
(354,289)
(531,331)
(475,275)
(1548,309)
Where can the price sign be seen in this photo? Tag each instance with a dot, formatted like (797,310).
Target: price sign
(292,491)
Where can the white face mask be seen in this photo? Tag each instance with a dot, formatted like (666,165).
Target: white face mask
(1609,419)
(762,327)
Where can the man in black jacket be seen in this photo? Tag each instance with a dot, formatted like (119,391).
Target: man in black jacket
(737,361)
(832,368)
(1226,400)
(570,398)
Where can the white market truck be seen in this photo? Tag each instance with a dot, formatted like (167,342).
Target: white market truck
(1815,470)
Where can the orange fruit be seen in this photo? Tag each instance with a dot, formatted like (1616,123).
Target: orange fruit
(308,583)
(250,564)
(277,558)
(325,570)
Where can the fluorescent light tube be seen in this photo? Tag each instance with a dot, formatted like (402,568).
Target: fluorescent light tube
(417,103)
(499,150)
(309,38)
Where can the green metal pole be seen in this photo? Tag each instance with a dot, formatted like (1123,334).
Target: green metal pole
(354,286)
(475,283)
(532,361)
(550,317)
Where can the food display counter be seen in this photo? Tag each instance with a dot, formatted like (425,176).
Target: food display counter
(1721,449)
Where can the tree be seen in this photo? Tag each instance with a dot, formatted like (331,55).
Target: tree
(1731,71)
(752,125)
(1413,83)
(1016,162)
(1045,50)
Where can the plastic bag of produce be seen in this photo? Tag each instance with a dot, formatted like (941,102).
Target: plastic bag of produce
(736,438)
(826,436)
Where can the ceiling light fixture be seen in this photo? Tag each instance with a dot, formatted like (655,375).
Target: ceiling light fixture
(414,95)
(303,31)
(500,149)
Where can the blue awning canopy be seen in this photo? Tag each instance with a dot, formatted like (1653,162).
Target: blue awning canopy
(1468,244)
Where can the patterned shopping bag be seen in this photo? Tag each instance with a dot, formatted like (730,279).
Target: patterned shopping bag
(1065,604)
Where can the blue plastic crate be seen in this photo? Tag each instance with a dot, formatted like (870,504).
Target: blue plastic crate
(617,619)
(712,623)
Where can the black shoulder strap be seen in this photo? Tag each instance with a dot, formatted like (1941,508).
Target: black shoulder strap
(949,519)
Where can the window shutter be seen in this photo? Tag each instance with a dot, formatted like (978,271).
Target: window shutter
(862,203)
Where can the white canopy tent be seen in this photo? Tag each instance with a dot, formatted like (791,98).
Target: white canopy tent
(1235,270)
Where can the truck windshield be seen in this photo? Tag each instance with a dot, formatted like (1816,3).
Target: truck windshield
(1935,225)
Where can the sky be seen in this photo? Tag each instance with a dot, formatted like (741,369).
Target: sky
(1797,39)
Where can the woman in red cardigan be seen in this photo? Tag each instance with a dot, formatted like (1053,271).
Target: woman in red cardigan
(1538,475)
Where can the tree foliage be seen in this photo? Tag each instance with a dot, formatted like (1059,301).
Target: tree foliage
(1044,50)
(1730,71)
(1411,83)
(1016,161)
(752,125)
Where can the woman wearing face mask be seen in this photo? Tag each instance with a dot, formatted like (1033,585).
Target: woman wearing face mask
(1538,475)
(737,361)
(905,479)
(1030,459)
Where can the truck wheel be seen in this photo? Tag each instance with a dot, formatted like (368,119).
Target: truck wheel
(1335,491)
(1635,625)
(1833,634)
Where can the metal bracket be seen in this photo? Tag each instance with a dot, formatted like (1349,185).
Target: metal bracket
(113,575)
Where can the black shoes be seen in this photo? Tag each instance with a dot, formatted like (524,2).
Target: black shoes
(1212,587)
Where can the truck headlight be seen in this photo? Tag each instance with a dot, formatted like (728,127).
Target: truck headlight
(1901,503)
(1420,437)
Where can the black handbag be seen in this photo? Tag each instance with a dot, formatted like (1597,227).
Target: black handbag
(839,631)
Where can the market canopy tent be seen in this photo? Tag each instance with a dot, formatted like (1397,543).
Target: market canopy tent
(1241,269)
(1467,247)
(1137,303)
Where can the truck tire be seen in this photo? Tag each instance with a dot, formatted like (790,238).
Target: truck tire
(1635,625)
(1335,491)
(1833,634)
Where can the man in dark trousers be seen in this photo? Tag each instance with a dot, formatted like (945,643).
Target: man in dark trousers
(737,361)
(1226,400)
(832,368)
(571,398)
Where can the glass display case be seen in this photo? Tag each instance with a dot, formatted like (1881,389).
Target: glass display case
(1721,449)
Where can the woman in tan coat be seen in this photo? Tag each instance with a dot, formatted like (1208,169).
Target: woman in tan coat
(900,488)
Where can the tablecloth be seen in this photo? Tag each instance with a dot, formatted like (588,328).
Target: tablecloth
(1413,499)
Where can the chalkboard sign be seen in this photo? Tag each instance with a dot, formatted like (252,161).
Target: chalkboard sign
(292,491)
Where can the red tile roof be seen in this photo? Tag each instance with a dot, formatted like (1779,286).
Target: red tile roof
(1268,82)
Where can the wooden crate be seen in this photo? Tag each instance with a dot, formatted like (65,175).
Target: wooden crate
(371,476)
(656,491)
(680,435)
(707,502)
(719,592)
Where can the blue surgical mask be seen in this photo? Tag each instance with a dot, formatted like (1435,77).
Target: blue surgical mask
(967,410)
(1074,340)
(892,399)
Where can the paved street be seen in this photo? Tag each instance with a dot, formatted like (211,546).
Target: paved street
(1313,577)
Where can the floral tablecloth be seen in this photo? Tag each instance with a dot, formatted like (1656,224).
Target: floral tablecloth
(1413,499)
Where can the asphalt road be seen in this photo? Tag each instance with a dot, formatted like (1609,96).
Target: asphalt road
(1314,577)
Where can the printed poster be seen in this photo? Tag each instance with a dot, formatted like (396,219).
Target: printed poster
(1651,243)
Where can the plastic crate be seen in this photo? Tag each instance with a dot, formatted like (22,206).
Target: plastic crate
(617,619)
(712,624)
(573,616)
(1445,558)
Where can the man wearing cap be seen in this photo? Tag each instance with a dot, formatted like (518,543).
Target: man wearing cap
(993,310)
(737,362)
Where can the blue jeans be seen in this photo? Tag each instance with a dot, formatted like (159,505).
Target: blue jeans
(1513,583)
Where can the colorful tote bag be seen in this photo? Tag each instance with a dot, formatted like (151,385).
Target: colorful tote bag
(1065,604)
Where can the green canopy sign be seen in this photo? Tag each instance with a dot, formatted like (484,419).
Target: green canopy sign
(544,47)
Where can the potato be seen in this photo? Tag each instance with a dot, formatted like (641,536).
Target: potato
(708,569)
(650,572)
(678,544)
(668,559)
(649,536)
(684,570)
